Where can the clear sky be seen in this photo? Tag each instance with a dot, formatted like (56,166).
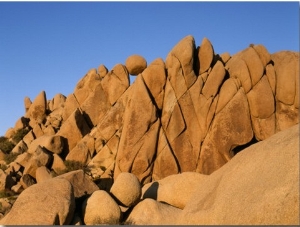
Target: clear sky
(51,45)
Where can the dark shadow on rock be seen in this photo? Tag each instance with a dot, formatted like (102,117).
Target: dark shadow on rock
(88,120)
(244,146)
(105,184)
(65,151)
(151,192)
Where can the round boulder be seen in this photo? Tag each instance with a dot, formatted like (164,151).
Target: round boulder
(100,208)
(135,64)
(126,189)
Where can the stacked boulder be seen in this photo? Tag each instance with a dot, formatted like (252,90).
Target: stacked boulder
(73,198)
(192,112)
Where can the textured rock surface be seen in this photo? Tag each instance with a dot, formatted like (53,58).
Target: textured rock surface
(152,212)
(100,208)
(192,112)
(47,203)
(126,189)
(175,190)
(135,64)
(263,177)
(81,184)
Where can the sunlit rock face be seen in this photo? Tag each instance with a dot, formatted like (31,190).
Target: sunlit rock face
(190,113)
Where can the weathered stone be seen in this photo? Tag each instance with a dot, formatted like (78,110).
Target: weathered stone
(55,118)
(27,103)
(2,180)
(104,160)
(112,122)
(83,151)
(155,78)
(28,138)
(17,188)
(37,130)
(2,157)
(254,64)
(86,85)
(276,191)
(27,181)
(100,208)
(58,165)
(271,75)
(115,83)
(175,190)
(264,128)
(50,202)
(73,129)
(286,64)
(225,57)
(262,106)
(49,131)
(102,71)
(23,159)
(165,163)
(151,212)
(205,55)
(135,64)
(180,65)
(53,143)
(82,185)
(57,102)
(139,135)
(5,205)
(261,99)
(37,110)
(21,147)
(204,108)
(214,81)
(263,54)
(227,91)
(95,106)
(14,168)
(179,121)
(126,189)
(237,68)
(230,128)
(186,146)
(42,173)
(286,116)
(40,157)
(71,105)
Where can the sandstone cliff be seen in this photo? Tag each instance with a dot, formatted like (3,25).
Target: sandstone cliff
(192,112)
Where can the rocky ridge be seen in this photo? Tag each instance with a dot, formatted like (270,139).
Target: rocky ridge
(188,115)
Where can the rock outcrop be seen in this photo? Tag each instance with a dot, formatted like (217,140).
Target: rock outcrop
(43,204)
(259,186)
(181,120)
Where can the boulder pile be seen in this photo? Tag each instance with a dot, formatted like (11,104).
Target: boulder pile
(190,130)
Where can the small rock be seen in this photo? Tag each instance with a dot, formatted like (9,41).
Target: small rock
(152,212)
(100,208)
(135,64)
(126,189)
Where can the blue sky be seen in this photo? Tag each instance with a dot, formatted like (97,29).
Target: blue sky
(51,45)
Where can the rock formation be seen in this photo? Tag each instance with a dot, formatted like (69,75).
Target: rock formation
(184,122)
